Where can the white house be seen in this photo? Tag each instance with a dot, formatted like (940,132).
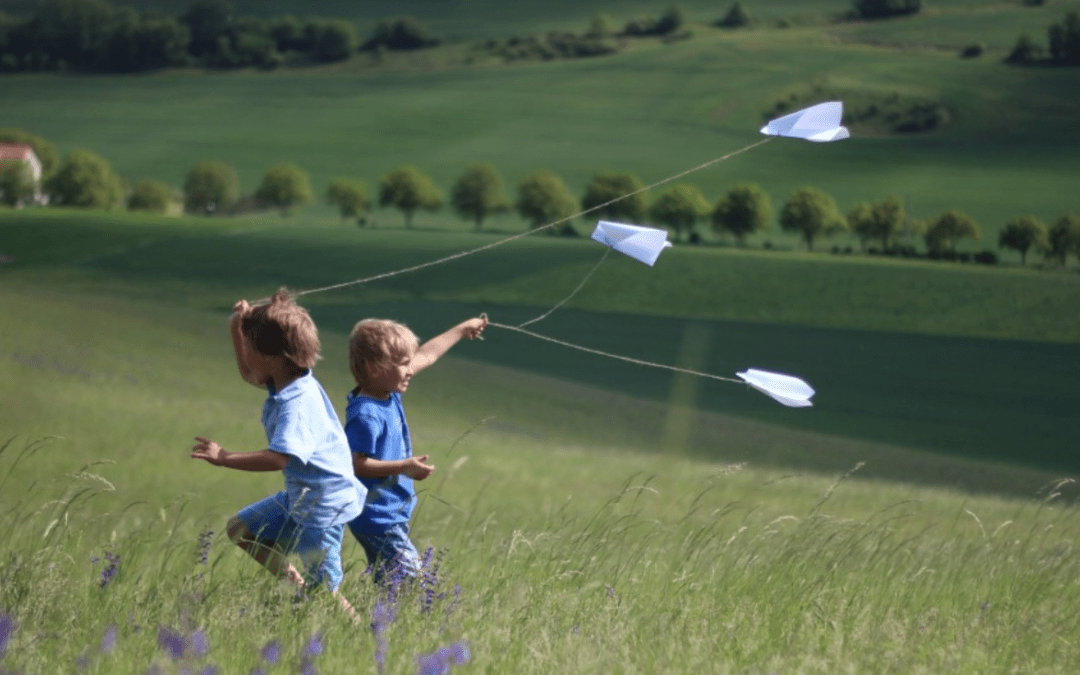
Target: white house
(25,153)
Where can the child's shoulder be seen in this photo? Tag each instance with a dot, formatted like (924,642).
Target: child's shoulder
(359,405)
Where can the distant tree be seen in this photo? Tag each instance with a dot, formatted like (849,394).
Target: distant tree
(1025,51)
(85,180)
(670,21)
(478,193)
(881,220)
(946,230)
(736,17)
(543,198)
(401,33)
(210,186)
(1064,40)
(812,214)
(287,32)
(208,21)
(745,209)
(333,40)
(285,187)
(1063,238)
(45,151)
(600,27)
(16,182)
(609,192)
(350,196)
(1022,234)
(680,207)
(408,189)
(152,196)
(884,9)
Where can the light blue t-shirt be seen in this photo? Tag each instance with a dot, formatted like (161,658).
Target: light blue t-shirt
(301,422)
(377,428)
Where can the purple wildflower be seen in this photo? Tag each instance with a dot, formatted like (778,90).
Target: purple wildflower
(429,582)
(108,641)
(81,663)
(112,567)
(382,616)
(209,670)
(443,659)
(171,642)
(271,652)
(314,646)
(199,643)
(7,628)
(258,670)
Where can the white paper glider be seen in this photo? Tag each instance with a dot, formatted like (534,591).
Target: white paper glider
(640,243)
(819,123)
(791,391)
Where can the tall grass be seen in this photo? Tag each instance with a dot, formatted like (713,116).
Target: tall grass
(715,568)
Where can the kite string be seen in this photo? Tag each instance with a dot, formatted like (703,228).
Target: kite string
(597,352)
(550,225)
(572,294)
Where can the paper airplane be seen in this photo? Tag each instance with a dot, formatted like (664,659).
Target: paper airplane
(640,243)
(819,123)
(791,391)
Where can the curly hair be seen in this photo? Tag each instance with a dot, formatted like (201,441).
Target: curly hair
(379,342)
(283,328)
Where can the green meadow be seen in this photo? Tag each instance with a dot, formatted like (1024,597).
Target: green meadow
(586,515)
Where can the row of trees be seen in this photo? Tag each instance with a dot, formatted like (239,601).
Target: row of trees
(84,179)
(96,35)
(1063,45)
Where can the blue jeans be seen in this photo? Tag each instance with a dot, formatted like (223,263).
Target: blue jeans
(390,552)
(318,547)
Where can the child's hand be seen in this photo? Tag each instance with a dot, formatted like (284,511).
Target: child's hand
(209,450)
(240,310)
(473,328)
(416,469)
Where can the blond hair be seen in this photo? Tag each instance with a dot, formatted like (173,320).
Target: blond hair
(283,328)
(380,343)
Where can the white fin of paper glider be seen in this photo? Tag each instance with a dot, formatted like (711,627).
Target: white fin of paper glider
(791,391)
(819,123)
(640,243)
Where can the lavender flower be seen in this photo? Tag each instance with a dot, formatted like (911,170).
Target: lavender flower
(199,643)
(171,642)
(108,641)
(112,567)
(307,659)
(443,659)
(7,628)
(271,652)
(205,539)
(382,616)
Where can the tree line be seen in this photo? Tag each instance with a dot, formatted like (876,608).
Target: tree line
(84,179)
(1063,45)
(97,36)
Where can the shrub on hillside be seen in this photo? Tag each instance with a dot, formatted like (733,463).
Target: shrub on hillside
(151,196)
(401,33)
(736,17)
(973,51)
(884,9)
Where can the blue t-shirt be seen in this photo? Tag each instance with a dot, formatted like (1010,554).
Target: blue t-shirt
(301,422)
(377,428)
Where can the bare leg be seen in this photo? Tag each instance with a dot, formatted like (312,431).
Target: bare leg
(265,554)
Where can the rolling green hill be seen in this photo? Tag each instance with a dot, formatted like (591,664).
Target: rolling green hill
(654,110)
(972,362)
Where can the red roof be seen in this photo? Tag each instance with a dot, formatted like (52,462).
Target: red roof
(16,151)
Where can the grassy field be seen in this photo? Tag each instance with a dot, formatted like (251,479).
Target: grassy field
(586,515)
(654,110)
(573,533)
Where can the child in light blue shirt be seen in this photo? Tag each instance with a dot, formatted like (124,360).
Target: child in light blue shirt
(383,357)
(275,345)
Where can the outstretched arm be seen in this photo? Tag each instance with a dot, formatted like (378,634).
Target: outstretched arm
(430,351)
(261,460)
(413,467)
